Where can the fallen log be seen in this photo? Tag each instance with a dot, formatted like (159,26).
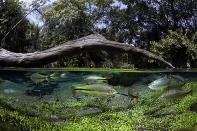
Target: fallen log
(91,42)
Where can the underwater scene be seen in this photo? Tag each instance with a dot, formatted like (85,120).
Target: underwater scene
(98,100)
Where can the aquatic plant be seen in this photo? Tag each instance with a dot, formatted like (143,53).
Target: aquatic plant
(149,113)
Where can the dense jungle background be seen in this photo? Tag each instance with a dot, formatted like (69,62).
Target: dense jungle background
(165,27)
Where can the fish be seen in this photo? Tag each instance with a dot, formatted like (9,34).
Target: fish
(174,93)
(63,75)
(39,78)
(102,89)
(95,79)
(166,81)
(94,89)
(54,76)
(178,77)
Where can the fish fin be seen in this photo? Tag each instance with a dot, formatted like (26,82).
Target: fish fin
(54,76)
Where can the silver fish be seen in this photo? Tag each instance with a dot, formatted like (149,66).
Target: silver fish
(166,81)
(95,79)
(174,93)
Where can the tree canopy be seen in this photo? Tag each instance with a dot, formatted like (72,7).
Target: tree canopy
(166,27)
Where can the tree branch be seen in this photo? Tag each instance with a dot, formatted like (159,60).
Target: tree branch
(70,48)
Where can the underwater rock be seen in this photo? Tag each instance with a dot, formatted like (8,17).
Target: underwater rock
(117,102)
(80,111)
(90,111)
(133,93)
(8,91)
(11,88)
(41,90)
(4,83)
(20,108)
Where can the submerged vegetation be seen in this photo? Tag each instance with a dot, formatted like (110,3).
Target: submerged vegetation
(147,115)
(145,110)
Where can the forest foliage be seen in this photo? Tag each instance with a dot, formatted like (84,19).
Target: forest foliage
(167,28)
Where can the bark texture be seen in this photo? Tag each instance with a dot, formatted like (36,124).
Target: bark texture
(70,48)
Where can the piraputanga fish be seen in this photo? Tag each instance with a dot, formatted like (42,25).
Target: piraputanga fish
(94,89)
(39,78)
(99,89)
(166,81)
(95,79)
(174,93)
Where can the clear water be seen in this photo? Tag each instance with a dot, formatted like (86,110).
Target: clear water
(53,100)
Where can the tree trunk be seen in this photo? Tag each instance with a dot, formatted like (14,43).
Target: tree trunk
(69,48)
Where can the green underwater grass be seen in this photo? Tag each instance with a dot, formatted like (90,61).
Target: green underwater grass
(150,113)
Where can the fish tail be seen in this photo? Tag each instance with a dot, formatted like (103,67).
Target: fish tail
(73,91)
(189,92)
(109,78)
(53,76)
